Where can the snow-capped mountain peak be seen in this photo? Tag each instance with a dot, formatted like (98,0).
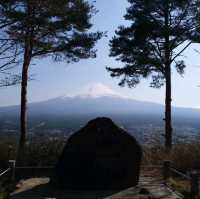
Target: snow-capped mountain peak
(97,90)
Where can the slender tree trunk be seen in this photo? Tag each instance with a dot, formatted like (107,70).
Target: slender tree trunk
(168,99)
(28,47)
(168,118)
(23,115)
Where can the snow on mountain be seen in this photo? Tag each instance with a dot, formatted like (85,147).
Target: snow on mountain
(99,90)
(95,91)
(98,99)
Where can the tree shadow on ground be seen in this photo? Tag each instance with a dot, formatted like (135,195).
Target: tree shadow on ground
(50,191)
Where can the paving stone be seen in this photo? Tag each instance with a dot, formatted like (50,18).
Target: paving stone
(155,187)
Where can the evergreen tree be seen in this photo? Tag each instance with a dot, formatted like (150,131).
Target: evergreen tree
(44,28)
(8,61)
(159,32)
(8,58)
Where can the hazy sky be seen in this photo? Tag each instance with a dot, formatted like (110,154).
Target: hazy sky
(58,79)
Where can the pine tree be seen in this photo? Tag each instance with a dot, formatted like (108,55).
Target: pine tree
(159,32)
(8,58)
(42,28)
(8,61)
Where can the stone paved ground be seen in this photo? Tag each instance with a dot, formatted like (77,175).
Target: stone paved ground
(39,188)
(149,187)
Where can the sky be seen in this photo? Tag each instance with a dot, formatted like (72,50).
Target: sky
(59,79)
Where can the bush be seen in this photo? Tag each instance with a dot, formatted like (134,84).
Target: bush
(42,153)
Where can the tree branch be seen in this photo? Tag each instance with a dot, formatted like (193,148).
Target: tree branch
(180,52)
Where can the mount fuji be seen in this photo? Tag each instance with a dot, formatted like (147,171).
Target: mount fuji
(95,99)
(98,100)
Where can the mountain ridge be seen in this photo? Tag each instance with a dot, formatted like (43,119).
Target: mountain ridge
(99,103)
(64,111)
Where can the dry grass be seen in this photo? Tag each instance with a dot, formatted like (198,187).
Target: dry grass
(184,156)
(180,185)
(44,153)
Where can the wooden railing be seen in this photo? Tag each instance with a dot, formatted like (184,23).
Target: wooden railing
(14,173)
(5,172)
(168,171)
(5,177)
(194,178)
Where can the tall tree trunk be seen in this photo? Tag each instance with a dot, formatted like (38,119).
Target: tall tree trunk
(23,115)
(168,118)
(168,99)
(28,47)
